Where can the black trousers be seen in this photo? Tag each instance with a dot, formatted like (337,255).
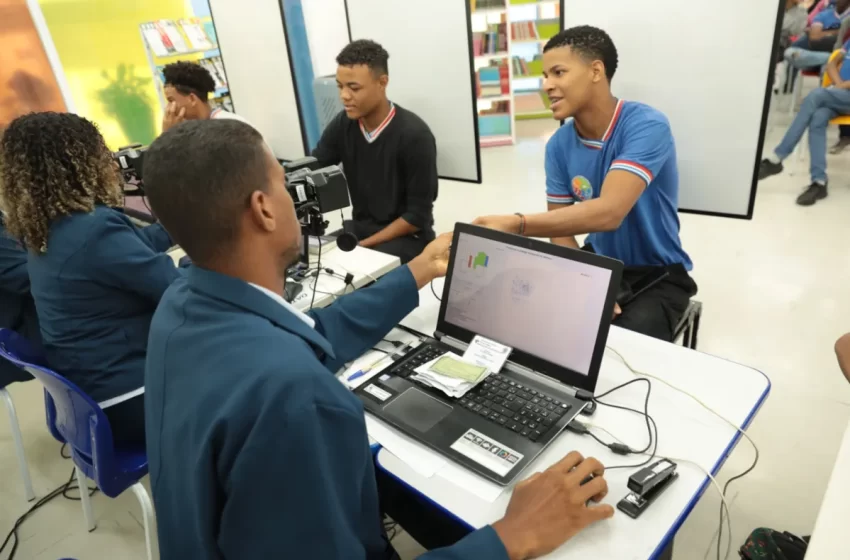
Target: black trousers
(405,248)
(127,420)
(657,311)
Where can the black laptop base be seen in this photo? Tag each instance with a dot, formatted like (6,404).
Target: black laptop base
(494,430)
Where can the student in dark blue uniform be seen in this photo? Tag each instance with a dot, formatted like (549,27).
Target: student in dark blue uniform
(96,277)
(256,450)
(611,171)
(17,310)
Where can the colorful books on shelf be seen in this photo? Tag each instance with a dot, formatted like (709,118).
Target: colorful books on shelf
(487,4)
(523,31)
(493,81)
(527,68)
(493,40)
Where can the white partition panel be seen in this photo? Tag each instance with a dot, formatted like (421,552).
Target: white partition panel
(707,66)
(256,60)
(431,72)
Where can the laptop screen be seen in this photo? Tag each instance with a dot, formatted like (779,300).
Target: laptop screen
(541,304)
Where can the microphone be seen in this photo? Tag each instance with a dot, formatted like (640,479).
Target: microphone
(347,242)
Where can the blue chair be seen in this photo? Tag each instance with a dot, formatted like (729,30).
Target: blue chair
(73,417)
(19,443)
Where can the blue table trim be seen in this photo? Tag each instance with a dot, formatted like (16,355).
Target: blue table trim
(667,540)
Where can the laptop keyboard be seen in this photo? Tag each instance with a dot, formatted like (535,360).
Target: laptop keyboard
(505,402)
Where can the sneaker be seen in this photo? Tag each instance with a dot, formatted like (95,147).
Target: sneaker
(812,194)
(839,146)
(767,169)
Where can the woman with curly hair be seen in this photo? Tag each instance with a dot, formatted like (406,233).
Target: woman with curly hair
(96,278)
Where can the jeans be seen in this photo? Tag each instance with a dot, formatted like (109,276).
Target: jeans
(819,107)
(802,58)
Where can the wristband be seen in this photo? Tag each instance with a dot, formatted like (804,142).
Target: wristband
(521,222)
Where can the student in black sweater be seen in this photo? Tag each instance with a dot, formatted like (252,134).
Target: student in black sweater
(388,154)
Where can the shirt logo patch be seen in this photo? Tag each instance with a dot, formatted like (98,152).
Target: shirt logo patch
(582,189)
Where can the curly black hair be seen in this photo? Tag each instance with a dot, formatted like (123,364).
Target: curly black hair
(53,165)
(589,42)
(365,51)
(188,77)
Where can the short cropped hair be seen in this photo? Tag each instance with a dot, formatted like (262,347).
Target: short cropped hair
(199,176)
(189,77)
(367,52)
(590,43)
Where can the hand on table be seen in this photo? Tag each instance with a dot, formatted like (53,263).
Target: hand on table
(508,224)
(173,116)
(433,262)
(617,311)
(550,508)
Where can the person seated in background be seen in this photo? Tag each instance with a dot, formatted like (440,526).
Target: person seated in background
(794,22)
(254,446)
(188,87)
(96,278)
(843,130)
(812,49)
(17,309)
(388,154)
(818,108)
(611,171)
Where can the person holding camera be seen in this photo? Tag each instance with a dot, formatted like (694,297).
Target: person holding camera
(95,276)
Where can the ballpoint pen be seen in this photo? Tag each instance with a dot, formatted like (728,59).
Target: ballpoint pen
(361,372)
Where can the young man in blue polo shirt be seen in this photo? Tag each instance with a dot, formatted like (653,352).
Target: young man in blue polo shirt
(819,107)
(618,160)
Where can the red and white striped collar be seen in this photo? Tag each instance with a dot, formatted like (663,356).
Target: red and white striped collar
(597,144)
(372,136)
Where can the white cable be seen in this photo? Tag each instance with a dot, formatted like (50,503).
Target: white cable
(737,428)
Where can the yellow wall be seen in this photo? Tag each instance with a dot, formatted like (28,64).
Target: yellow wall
(94,37)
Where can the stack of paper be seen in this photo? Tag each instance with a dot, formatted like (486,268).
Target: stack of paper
(451,374)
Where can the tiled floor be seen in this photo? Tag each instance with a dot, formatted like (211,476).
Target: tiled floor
(776,297)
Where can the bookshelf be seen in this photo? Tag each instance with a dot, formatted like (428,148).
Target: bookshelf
(191,39)
(509,35)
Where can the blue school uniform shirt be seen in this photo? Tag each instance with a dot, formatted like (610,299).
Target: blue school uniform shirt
(638,140)
(256,449)
(830,19)
(844,71)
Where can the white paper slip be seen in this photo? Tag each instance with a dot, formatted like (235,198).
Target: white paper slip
(487,353)
(415,455)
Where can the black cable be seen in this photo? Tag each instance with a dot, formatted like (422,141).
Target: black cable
(722,503)
(433,291)
(14,532)
(65,494)
(650,424)
(318,266)
(62,451)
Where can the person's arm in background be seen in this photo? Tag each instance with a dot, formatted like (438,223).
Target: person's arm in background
(646,149)
(558,192)
(313,481)
(842,352)
(419,165)
(357,321)
(156,235)
(327,151)
(125,260)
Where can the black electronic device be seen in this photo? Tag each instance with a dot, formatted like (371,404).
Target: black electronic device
(497,283)
(130,160)
(646,485)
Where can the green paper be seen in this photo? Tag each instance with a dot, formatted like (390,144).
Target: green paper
(452,367)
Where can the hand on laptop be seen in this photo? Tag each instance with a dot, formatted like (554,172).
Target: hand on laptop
(550,508)
(433,261)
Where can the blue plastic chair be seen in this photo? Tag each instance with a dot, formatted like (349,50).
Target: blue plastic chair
(74,418)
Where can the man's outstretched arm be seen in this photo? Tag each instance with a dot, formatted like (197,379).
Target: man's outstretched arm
(842,351)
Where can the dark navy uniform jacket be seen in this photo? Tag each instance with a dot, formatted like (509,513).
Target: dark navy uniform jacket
(256,449)
(17,310)
(96,289)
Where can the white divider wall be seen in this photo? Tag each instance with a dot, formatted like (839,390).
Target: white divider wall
(253,48)
(430,71)
(706,66)
(327,33)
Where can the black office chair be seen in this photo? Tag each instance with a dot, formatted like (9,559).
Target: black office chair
(688,326)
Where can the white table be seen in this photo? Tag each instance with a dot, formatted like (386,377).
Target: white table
(365,264)
(828,538)
(686,431)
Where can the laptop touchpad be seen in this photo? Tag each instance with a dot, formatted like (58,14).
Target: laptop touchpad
(417,409)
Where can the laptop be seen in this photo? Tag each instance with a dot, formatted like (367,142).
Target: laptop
(551,304)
